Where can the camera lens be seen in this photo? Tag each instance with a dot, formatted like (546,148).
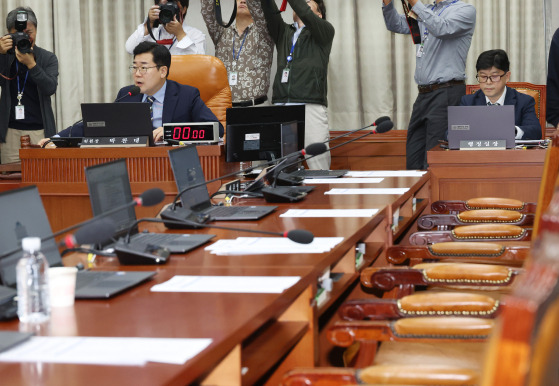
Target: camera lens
(165,16)
(24,46)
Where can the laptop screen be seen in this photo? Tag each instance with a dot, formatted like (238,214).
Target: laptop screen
(109,187)
(188,172)
(23,215)
(480,123)
(117,120)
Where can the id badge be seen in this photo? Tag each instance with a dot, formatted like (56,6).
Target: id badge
(20,112)
(233,78)
(420,51)
(285,75)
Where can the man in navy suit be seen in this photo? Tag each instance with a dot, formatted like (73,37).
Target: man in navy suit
(493,74)
(171,101)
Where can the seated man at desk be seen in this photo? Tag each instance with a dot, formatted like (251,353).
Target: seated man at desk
(171,101)
(493,74)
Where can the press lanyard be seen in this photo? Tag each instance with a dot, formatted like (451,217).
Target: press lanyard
(166,41)
(20,92)
(238,54)
(426,33)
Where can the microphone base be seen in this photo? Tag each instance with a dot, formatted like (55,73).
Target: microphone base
(286,180)
(283,194)
(181,215)
(140,254)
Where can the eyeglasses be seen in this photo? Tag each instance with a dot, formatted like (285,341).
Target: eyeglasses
(485,78)
(143,70)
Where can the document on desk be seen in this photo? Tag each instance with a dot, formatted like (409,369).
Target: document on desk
(330,213)
(385,173)
(267,245)
(106,351)
(368,191)
(342,180)
(227,284)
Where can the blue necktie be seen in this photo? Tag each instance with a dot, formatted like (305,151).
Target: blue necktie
(150,100)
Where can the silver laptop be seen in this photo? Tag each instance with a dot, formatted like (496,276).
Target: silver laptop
(486,127)
(23,215)
(188,172)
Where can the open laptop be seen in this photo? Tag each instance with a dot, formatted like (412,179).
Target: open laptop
(188,172)
(23,215)
(480,123)
(125,119)
(109,187)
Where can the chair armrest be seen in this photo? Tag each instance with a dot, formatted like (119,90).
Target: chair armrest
(470,233)
(471,252)
(447,206)
(320,377)
(420,304)
(418,375)
(489,216)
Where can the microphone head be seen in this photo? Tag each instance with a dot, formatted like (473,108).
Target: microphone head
(300,236)
(96,232)
(380,120)
(315,148)
(383,127)
(151,197)
(134,90)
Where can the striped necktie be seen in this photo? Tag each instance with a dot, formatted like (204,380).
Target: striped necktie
(150,100)
(493,104)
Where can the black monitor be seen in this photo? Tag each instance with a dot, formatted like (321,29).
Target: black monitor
(254,133)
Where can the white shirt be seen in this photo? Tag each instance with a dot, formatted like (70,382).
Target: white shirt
(501,102)
(193,43)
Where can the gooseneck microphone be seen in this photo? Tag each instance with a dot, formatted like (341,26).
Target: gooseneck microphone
(141,254)
(376,124)
(95,232)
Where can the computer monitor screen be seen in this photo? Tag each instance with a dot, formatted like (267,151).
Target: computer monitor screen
(241,121)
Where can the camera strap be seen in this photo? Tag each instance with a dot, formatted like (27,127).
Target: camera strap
(218,17)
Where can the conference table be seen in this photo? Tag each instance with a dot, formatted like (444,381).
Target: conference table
(256,337)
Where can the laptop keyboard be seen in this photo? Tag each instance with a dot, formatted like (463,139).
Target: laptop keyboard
(318,173)
(223,211)
(160,238)
(85,278)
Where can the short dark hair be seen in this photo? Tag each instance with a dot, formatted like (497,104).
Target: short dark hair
(493,58)
(321,7)
(161,55)
(11,18)
(184,3)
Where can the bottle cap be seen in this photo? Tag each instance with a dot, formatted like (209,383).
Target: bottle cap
(31,244)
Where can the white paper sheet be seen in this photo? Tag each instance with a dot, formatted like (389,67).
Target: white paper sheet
(368,191)
(385,173)
(342,180)
(227,284)
(268,245)
(330,213)
(106,351)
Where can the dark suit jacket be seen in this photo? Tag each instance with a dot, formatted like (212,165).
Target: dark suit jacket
(524,110)
(182,104)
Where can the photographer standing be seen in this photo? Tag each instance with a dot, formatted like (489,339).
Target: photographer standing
(179,38)
(246,49)
(28,79)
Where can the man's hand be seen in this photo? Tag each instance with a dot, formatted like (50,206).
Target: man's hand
(6,43)
(386,2)
(153,14)
(175,28)
(158,134)
(49,144)
(27,59)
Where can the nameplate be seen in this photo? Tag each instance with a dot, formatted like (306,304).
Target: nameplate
(486,144)
(135,141)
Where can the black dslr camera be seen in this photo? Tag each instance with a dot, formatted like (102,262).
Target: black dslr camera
(168,11)
(19,38)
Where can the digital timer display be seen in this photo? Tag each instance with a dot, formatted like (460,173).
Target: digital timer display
(207,132)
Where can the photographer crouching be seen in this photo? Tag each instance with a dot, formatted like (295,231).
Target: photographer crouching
(28,77)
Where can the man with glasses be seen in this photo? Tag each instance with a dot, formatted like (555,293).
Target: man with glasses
(171,101)
(493,74)
(446,29)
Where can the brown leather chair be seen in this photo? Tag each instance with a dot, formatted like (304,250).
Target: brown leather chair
(537,91)
(209,75)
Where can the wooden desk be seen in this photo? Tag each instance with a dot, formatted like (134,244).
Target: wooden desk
(461,174)
(264,333)
(60,176)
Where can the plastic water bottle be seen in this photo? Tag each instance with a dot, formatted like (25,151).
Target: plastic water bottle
(32,283)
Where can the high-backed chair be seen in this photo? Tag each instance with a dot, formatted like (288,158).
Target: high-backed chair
(537,91)
(209,75)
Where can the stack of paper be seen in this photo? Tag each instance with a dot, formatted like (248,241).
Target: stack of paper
(105,351)
(368,191)
(312,181)
(330,213)
(227,284)
(385,173)
(271,245)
